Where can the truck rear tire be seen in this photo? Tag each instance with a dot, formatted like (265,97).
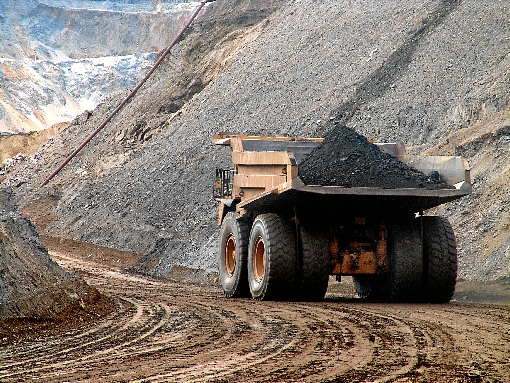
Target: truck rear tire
(363,285)
(405,252)
(271,258)
(233,256)
(314,265)
(403,282)
(439,260)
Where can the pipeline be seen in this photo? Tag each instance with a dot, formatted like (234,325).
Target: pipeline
(131,94)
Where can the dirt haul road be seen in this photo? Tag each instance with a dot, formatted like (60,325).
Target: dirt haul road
(173,332)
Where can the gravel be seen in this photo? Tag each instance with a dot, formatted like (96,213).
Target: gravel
(31,284)
(390,71)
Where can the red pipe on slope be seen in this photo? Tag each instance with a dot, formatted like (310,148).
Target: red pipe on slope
(130,95)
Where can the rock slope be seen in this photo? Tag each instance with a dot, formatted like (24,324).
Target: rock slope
(32,286)
(432,74)
(59,58)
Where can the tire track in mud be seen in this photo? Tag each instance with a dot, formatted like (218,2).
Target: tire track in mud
(164,331)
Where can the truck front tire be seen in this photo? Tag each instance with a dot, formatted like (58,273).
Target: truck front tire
(271,258)
(233,256)
(363,284)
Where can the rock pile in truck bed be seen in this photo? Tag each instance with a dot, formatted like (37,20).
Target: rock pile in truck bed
(346,158)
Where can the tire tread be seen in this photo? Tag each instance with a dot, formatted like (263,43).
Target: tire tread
(440,260)
(281,250)
(315,265)
(240,287)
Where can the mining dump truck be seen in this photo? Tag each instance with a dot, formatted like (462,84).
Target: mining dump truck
(281,239)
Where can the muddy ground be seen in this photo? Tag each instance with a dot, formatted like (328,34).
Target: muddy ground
(163,331)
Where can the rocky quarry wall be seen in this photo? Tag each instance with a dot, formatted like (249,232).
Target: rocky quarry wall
(59,58)
(432,74)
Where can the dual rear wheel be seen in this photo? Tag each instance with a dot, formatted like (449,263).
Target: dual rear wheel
(423,265)
(439,260)
(233,256)
(279,264)
(270,260)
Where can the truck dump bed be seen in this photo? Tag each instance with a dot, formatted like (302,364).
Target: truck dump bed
(266,176)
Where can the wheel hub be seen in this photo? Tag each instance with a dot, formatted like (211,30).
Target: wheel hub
(259,259)
(230,255)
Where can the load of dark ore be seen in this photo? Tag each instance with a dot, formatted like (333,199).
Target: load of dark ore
(346,158)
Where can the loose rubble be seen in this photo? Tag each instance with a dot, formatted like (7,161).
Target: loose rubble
(415,73)
(346,158)
(31,284)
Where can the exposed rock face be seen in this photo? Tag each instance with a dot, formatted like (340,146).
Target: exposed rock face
(59,58)
(433,74)
(31,284)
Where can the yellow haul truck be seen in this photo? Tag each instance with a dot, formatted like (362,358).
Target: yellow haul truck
(281,239)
